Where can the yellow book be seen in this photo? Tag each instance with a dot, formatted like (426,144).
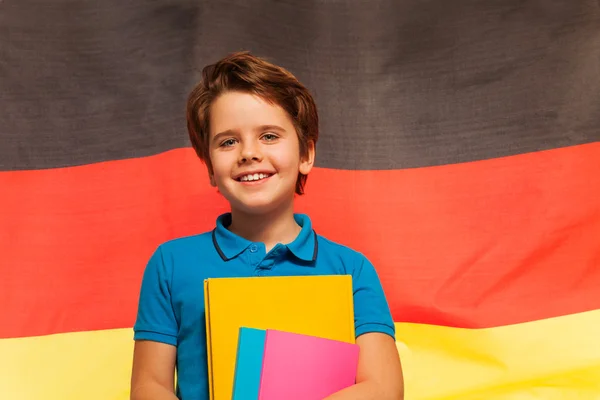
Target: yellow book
(312,305)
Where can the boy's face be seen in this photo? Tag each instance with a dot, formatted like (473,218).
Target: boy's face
(254,153)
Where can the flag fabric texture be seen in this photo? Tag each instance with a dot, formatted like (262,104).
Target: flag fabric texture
(459,151)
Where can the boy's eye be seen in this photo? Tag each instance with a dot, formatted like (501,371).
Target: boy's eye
(228,142)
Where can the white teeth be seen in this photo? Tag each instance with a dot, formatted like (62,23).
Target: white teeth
(253,177)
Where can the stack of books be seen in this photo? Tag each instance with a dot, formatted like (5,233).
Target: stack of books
(280,337)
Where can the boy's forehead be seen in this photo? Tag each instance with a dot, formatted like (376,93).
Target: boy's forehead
(243,111)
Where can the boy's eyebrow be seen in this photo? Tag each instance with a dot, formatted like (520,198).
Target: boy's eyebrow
(224,133)
(271,128)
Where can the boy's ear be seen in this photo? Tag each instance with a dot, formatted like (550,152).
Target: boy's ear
(307,161)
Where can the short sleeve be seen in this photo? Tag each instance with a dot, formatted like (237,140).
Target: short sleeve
(371,310)
(155,317)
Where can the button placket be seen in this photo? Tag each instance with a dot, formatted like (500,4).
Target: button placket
(254,254)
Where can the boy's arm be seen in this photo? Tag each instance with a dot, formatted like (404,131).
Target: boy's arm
(153,371)
(379,375)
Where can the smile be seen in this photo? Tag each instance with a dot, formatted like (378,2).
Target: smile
(253,177)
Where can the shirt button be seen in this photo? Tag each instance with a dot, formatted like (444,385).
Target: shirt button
(253,248)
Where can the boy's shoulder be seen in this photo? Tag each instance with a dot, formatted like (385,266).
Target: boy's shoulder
(331,247)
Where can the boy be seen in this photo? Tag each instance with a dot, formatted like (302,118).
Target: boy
(255,126)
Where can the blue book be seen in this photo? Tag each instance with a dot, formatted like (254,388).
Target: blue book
(248,366)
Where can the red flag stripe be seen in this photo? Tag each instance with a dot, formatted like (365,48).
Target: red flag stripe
(458,245)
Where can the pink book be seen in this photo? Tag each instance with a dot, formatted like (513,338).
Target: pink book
(302,367)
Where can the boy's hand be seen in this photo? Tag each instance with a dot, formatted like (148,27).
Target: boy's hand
(379,374)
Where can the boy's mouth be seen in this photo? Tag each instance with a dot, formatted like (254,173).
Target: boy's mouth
(253,177)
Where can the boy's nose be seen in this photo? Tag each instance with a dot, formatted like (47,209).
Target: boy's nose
(250,152)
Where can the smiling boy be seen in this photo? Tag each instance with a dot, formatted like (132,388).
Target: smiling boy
(256,127)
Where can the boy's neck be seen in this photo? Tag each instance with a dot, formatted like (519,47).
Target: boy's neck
(278,226)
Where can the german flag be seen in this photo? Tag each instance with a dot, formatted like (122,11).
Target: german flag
(459,151)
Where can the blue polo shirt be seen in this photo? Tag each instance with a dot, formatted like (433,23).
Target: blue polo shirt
(171,304)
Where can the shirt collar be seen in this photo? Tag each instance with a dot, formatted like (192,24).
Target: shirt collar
(230,245)
(305,245)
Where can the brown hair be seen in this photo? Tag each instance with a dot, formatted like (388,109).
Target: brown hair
(246,73)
